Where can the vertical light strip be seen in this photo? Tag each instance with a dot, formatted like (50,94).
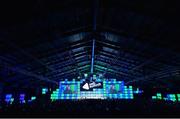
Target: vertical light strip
(92,58)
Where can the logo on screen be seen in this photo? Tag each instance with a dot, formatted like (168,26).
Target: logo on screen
(87,86)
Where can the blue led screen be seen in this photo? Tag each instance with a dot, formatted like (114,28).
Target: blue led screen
(110,89)
(69,89)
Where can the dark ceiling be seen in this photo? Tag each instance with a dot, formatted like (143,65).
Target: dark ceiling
(42,42)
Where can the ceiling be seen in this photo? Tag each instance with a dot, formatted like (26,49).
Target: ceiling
(44,42)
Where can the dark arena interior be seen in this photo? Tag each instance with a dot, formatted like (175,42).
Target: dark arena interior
(89,58)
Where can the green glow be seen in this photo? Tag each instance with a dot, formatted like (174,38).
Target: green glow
(172,97)
(153,97)
(44,90)
(159,94)
(85,75)
(127,94)
(178,96)
(117,86)
(73,87)
(94,76)
(130,87)
(33,98)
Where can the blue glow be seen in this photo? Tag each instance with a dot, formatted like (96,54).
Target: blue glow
(9,99)
(111,89)
(33,97)
(22,98)
(92,57)
(44,90)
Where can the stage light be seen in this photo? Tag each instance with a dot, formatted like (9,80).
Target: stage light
(171,97)
(178,96)
(22,98)
(33,98)
(130,87)
(12,100)
(121,91)
(44,90)
(85,75)
(8,98)
(153,97)
(159,96)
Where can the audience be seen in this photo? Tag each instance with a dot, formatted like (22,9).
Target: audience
(92,108)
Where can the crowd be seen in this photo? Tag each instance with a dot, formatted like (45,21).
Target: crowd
(92,108)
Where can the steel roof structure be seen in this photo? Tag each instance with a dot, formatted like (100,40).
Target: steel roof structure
(45,42)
